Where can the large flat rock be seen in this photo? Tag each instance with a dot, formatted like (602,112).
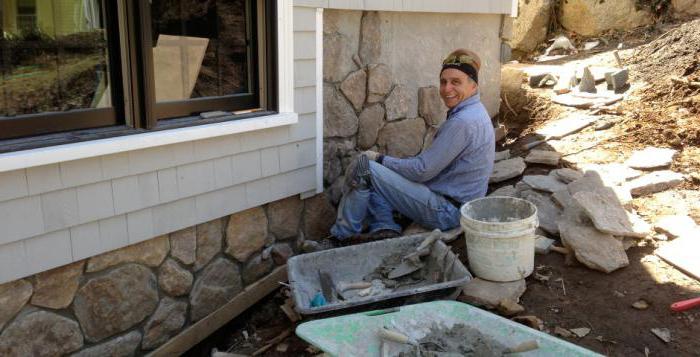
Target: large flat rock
(569,125)
(548,213)
(654,182)
(594,249)
(544,183)
(490,294)
(613,173)
(566,175)
(543,157)
(651,158)
(676,226)
(607,214)
(507,169)
(683,254)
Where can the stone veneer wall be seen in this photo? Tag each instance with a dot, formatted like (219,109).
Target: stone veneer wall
(380,80)
(134,299)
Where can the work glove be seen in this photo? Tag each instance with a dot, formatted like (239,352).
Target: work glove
(371,155)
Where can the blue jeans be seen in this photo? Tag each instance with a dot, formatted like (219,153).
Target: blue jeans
(390,191)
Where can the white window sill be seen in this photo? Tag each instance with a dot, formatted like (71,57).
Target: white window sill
(60,153)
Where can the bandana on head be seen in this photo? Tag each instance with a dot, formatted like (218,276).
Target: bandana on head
(464,63)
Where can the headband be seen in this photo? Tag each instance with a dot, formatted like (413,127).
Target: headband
(464,63)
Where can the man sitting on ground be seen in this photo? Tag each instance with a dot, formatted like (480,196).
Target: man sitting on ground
(428,188)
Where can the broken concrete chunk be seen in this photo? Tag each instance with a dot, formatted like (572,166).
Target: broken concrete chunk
(547,211)
(542,244)
(544,183)
(607,214)
(587,84)
(654,182)
(507,169)
(594,249)
(662,333)
(505,191)
(490,294)
(566,175)
(676,226)
(651,158)
(569,125)
(543,157)
(562,332)
(617,81)
(502,155)
(580,332)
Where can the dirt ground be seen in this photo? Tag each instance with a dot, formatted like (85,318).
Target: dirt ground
(656,111)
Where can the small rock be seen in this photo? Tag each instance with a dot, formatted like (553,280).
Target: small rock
(174,279)
(618,294)
(542,80)
(530,321)
(354,87)
(663,333)
(543,157)
(183,245)
(397,103)
(587,84)
(640,305)
(581,331)
(618,80)
(566,175)
(604,125)
(246,233)
(507,169)
(281,252)
(209,237)
(151,252)
(542,244)
(370,48)
(675,226)
(284,217)
(13,296)
(430,106)
(510,308)
(502,155)
(380,81)
(562,332)
(371,120)
(651,158)
(402,138)
(490,294)
(121,346)
(256,268)
(216,285)
(166,321)
(41,333)
(544,183)
(654,182)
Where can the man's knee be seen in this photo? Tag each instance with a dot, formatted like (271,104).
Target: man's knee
(376,168)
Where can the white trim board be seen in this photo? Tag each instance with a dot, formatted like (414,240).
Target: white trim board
(74,151)
(452,6)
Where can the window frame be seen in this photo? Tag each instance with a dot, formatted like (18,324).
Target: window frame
(134,108)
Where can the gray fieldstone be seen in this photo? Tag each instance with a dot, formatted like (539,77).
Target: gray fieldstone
(151,253)
(502,155)
(566,175)
(370,37)
(284,217)
(122,346)
(676,225)
(429,136)
(246,233)
(13,296)
(41,333)
(654,182)
(651,158)
(507,169)
(218,283)
(337,56)
(543,157)
(355,88)
(588,183)
(379,83)
(173,279)
(397,103)
(490,294)
(335,191)
(371,120)
(168,319)
(339,119)
(594,249)
(566,126)
(544,183)
(587,84)
(183,245)
(256,268)
(563,198)
(116,301)
(612,174)
(319,217)
(209,238)
(332,165)
(402,138)
(548,213)
(56,288)
(430,106)
(505,191)
(281,252)
(607,214)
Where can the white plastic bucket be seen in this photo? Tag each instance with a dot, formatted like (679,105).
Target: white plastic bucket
(500,234)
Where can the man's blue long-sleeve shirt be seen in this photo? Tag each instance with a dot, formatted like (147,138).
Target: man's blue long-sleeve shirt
(459,162)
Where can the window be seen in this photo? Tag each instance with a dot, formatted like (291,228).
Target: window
(84,64)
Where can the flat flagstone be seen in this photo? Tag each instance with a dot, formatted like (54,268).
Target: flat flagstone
(548,213)
(506,191)
(654,182)
(544,183)
(676,226)
(594,249)
(543,157)
(682,253)
(651,158)
(613,173)
(569,125)
(563,198)
(490,294)
(566,175)
(502,155)
(607,214)
(507,169)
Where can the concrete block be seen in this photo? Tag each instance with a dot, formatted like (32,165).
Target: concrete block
(220,203)
(48,251)
(270,161)
(115,165)
(297,155)
(246,167)
(95,201)
(113,233)
(140,225)
(21,218)
(13,184)
(223,172)
(195,178)
(174,216)
(81,172)
(167,185)
(60,209)
(135,192)
(85,240)
(44,178)
(13,262)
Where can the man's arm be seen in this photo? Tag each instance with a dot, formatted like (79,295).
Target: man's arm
(452,139)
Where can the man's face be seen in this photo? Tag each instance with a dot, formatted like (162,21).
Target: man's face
(455,86)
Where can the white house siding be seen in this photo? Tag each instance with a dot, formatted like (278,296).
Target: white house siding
(55,214)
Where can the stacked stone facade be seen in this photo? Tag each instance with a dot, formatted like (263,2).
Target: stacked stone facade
(133,300)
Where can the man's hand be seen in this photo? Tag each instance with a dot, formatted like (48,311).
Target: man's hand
(371,155)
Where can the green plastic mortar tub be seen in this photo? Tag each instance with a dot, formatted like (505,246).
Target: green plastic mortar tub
(356,334)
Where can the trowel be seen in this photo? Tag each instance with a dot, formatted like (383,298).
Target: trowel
(411,262)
